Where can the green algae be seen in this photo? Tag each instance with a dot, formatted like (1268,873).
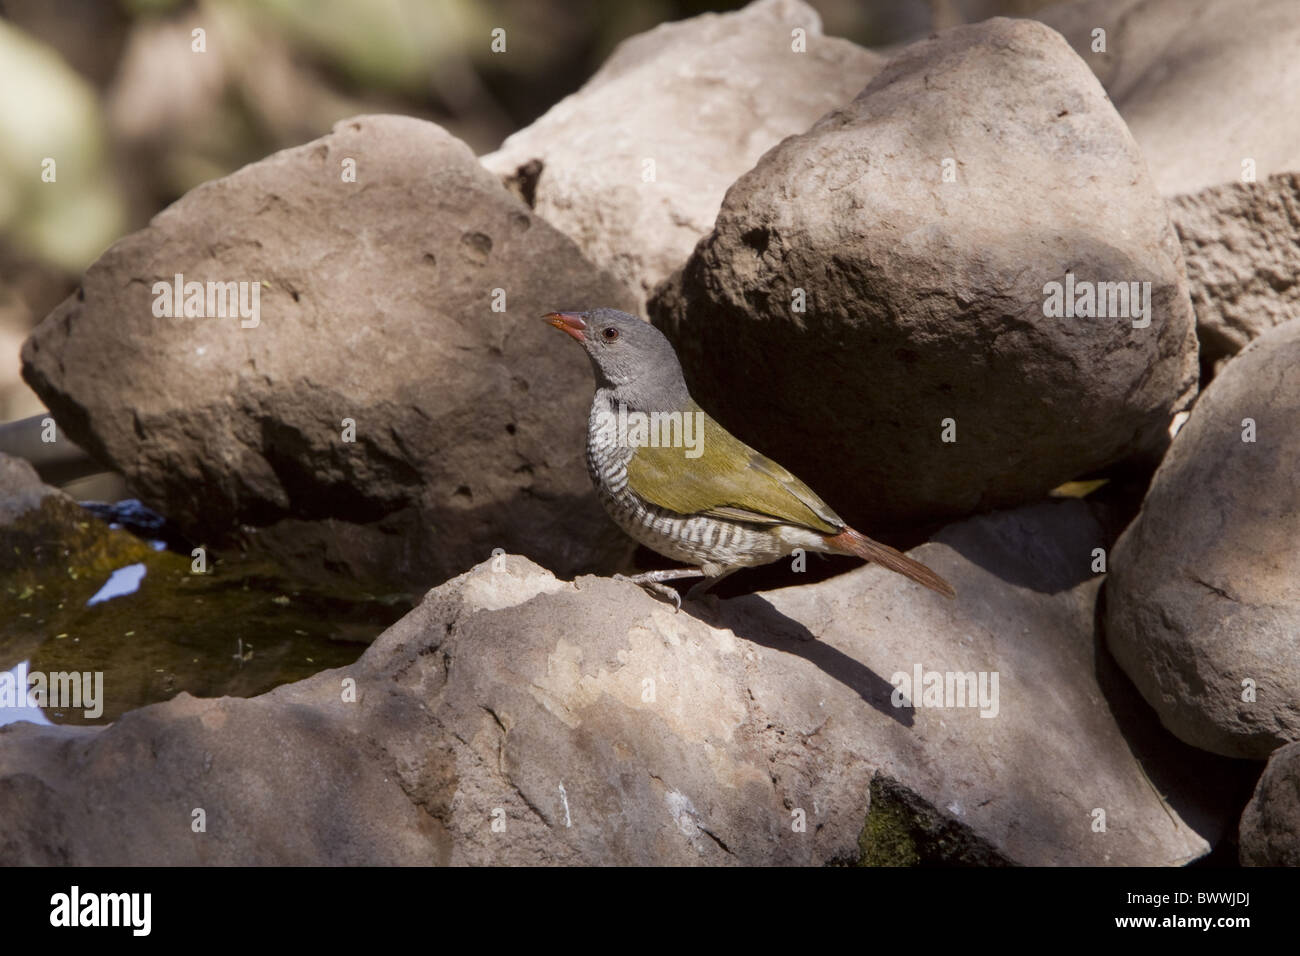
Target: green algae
(901,829)
(887,837)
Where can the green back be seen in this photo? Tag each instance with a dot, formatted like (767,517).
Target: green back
(728,480)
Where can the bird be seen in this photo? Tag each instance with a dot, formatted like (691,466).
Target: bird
(678,482)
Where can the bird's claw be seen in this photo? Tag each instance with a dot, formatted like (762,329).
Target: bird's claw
(671,593)
(657,588)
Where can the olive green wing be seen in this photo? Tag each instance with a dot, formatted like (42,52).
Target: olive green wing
(728,480)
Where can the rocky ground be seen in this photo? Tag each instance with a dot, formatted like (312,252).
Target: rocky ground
(854,252)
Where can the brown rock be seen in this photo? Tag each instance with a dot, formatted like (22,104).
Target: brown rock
(514,718)
(1203,84)
(924,302)
(1270,827)
(21,489)
(702,99)
(1203,598)
(376,305)
(1241,242)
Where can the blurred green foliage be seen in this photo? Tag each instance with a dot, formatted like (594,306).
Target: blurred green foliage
(59,200)
(133,116)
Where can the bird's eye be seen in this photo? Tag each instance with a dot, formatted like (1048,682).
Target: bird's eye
(611,334)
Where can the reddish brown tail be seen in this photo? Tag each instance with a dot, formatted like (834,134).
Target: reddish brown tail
(849,541)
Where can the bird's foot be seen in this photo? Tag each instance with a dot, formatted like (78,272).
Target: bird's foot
(653,582)
(663,591)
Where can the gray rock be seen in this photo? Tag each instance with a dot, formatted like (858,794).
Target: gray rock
(376,305)
(21,489)
(1203,84)
(1270,828)
(592,724)
(703,99)
(1241,242)
(1203,599)
(925,300)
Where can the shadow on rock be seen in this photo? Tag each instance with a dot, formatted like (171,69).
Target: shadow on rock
(753,618)
(1047,547)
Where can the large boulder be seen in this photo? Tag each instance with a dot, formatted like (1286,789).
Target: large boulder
(1203,598)
(516,718)
(702,100)
(1210,88)
(378,304)
(1241,242)
(852,308)
(1269,834)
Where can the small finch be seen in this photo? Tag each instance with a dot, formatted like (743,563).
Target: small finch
(713,502)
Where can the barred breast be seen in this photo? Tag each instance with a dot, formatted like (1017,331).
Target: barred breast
(700,541)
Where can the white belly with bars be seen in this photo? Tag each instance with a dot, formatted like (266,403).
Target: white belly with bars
(714,545)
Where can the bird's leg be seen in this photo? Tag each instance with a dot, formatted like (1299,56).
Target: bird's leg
(701,588)
(655,577)
(652,581)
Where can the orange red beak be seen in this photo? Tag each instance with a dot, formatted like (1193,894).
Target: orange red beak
(568,322)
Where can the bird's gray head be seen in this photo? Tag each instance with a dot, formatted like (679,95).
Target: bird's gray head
(630,356)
